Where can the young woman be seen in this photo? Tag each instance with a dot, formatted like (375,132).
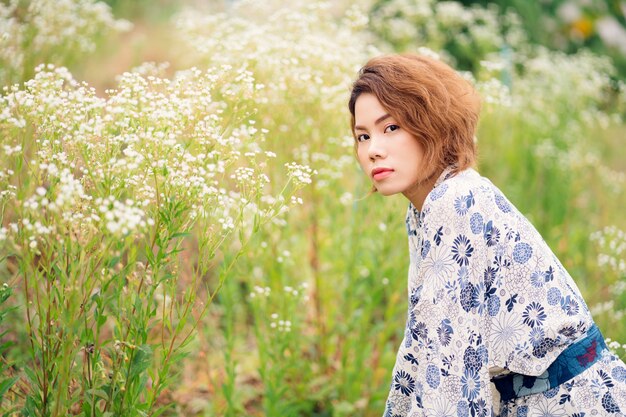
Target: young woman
(496,325)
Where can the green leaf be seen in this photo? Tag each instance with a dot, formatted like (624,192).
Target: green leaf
(88,335)
(102,318)
(161,410)
(31,407)
(149,255)
(87,407)
(10,412)
(180,234)
(32,377)
(6,385)
(5,292)
(113,261)
(141,360)
(5,346)
(100,393)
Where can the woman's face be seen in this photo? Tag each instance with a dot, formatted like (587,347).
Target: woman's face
(387,153)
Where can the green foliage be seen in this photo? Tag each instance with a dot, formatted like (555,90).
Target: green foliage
(149,258)
(144,10)
(535,139)
(50,32)
(466,35)
(114,202)
(7,380)
(569,25)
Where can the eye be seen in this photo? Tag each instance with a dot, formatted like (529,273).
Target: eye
(361,138)
(391,128)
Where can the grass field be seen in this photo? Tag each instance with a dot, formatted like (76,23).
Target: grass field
(196,238)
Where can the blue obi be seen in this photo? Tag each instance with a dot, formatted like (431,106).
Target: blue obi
(572,361)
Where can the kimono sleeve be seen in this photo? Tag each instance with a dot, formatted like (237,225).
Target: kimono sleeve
(442,365)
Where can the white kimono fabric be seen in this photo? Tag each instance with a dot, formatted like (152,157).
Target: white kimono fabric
(488,297)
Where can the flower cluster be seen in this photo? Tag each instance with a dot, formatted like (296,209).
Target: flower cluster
(469,33)
(608,307)
(290,291)
(587,74)
(152,140)
(612,243)
(55,31)
(260,291)
(300,291)
(496,50)
(246,177)
(122,218)
(69,191)
(63,205)
(300,174)
(577,22)
(35,230)
(494,92)
(280,325)
(615,346)
(304,56)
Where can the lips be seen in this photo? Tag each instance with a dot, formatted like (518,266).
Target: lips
(381,172)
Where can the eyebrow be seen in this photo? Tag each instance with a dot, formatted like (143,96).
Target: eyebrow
(379,120)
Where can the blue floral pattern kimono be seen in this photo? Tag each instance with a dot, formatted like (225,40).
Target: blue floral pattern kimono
(488,299)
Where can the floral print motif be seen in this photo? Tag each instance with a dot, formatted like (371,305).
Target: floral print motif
(404,383)
(439,263)
(533,314)
(522,252)
(462,250)
(486,296)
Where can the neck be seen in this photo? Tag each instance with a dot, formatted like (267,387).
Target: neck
(417,194)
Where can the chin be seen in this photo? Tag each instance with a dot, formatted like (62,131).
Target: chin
(387,191)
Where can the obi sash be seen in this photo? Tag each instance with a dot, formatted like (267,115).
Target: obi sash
(575,359)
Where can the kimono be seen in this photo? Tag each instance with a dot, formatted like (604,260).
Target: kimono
(495,325)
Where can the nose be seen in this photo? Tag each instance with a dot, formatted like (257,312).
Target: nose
(376,150)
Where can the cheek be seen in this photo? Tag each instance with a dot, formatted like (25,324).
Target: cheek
(416,151)
(361,156)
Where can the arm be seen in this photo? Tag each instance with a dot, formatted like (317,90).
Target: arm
(442,366)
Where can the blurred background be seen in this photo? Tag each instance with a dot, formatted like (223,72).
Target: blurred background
(304,312)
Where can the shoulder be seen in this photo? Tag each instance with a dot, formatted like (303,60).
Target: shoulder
(458,193)
(465,199)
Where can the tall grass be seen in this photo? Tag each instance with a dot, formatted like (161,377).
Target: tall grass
(117,211)
(60,32)
(169,276)
(352,250)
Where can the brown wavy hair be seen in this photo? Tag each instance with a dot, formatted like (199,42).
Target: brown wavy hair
(430,100)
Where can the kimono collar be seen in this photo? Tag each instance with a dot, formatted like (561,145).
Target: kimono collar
(445,174)
(414,216)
